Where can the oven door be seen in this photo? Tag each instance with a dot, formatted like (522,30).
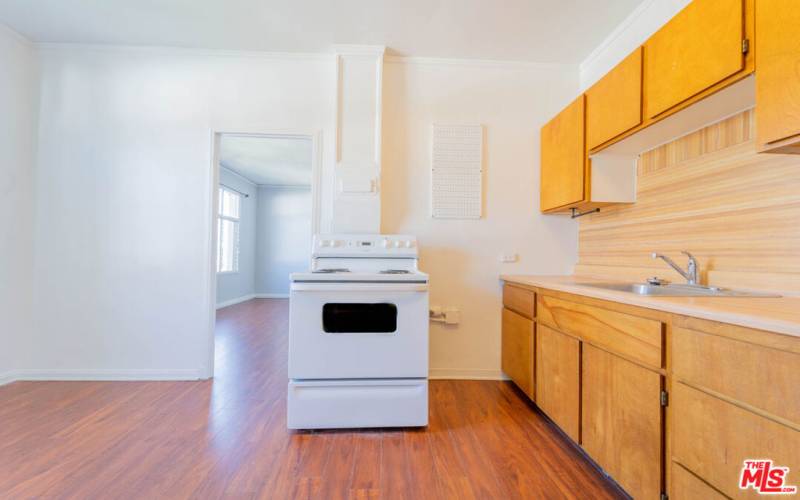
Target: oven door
(358,330)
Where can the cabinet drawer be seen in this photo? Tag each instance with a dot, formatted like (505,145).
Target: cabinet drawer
(517,350)
(712,438)
(687,486)
(519,300)
(637,338)
(762,377)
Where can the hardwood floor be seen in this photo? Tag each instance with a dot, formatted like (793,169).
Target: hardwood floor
(228,438)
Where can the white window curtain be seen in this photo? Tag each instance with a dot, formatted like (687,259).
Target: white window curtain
(230,205)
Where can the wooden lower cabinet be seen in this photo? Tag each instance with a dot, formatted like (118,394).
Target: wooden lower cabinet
(519,300)
(558,373)
(712,437)
(599,373)
(621,422)
(687,486)
(517,350)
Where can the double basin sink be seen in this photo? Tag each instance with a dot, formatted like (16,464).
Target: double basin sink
(675,290)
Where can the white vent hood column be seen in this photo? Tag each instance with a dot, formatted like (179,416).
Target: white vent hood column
(356,187)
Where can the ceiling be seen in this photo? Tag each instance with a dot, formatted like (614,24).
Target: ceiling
(274,161)
(563,31)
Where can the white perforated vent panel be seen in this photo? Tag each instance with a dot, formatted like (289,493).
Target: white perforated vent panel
(456,171)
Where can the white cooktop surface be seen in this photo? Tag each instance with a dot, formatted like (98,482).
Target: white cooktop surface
(413,276)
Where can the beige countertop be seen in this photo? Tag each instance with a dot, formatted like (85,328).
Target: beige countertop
(781,315)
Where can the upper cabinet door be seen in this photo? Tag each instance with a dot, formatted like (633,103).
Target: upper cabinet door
(563,158)
(614,104)
(778,71)
(699,47)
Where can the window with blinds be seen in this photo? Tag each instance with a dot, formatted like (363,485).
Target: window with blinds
(230,205)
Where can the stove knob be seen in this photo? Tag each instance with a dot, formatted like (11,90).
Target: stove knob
(325,243)
(408,244)
(334,243)
(386,243)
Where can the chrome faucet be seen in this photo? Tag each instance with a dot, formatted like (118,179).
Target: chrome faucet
(691,272)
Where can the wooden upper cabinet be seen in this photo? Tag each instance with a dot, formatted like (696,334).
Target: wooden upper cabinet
(699,47)
(778,75)
(517,350)
(563,158)
(614,104)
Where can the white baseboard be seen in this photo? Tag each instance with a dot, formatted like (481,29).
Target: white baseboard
(7,377)
(272,295)
(465,374)
(103,375)
(243,298)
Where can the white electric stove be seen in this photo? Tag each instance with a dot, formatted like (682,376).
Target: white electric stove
(358,335)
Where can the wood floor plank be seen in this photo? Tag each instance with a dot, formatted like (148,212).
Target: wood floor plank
(227,438)
(366,476)
(396,467)
(425,482)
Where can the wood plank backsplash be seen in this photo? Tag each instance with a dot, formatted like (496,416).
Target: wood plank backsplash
(710,193)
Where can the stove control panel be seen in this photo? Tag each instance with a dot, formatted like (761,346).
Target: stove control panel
(364,245)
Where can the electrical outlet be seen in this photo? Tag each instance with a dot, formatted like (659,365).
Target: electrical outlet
(507,258)
(452,316)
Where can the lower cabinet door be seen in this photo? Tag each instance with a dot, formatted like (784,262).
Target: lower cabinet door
(517,350)
(558,379)
(621,422)
(686,486)
(712,438)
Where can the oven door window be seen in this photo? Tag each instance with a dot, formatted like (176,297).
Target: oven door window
(359,318)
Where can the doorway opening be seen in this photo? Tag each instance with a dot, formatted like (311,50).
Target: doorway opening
(265,210)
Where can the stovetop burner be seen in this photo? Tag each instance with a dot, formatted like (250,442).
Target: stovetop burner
(395,271)
(331,271)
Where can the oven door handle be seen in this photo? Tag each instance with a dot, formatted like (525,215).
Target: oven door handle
(359,287)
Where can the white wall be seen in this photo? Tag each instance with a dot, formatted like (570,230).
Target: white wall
(631,33)
(122,182)
(284,237)
(123,187)
(511,102)
(241,284)
(18,93)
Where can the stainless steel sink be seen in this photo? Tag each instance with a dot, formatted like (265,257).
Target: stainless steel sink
(676,290)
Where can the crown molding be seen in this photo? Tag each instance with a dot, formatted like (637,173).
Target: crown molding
(634,17)
(234,173)
(479,63)
(359,50)
(16,36)
(298,187)
(621,28)
(181,51)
